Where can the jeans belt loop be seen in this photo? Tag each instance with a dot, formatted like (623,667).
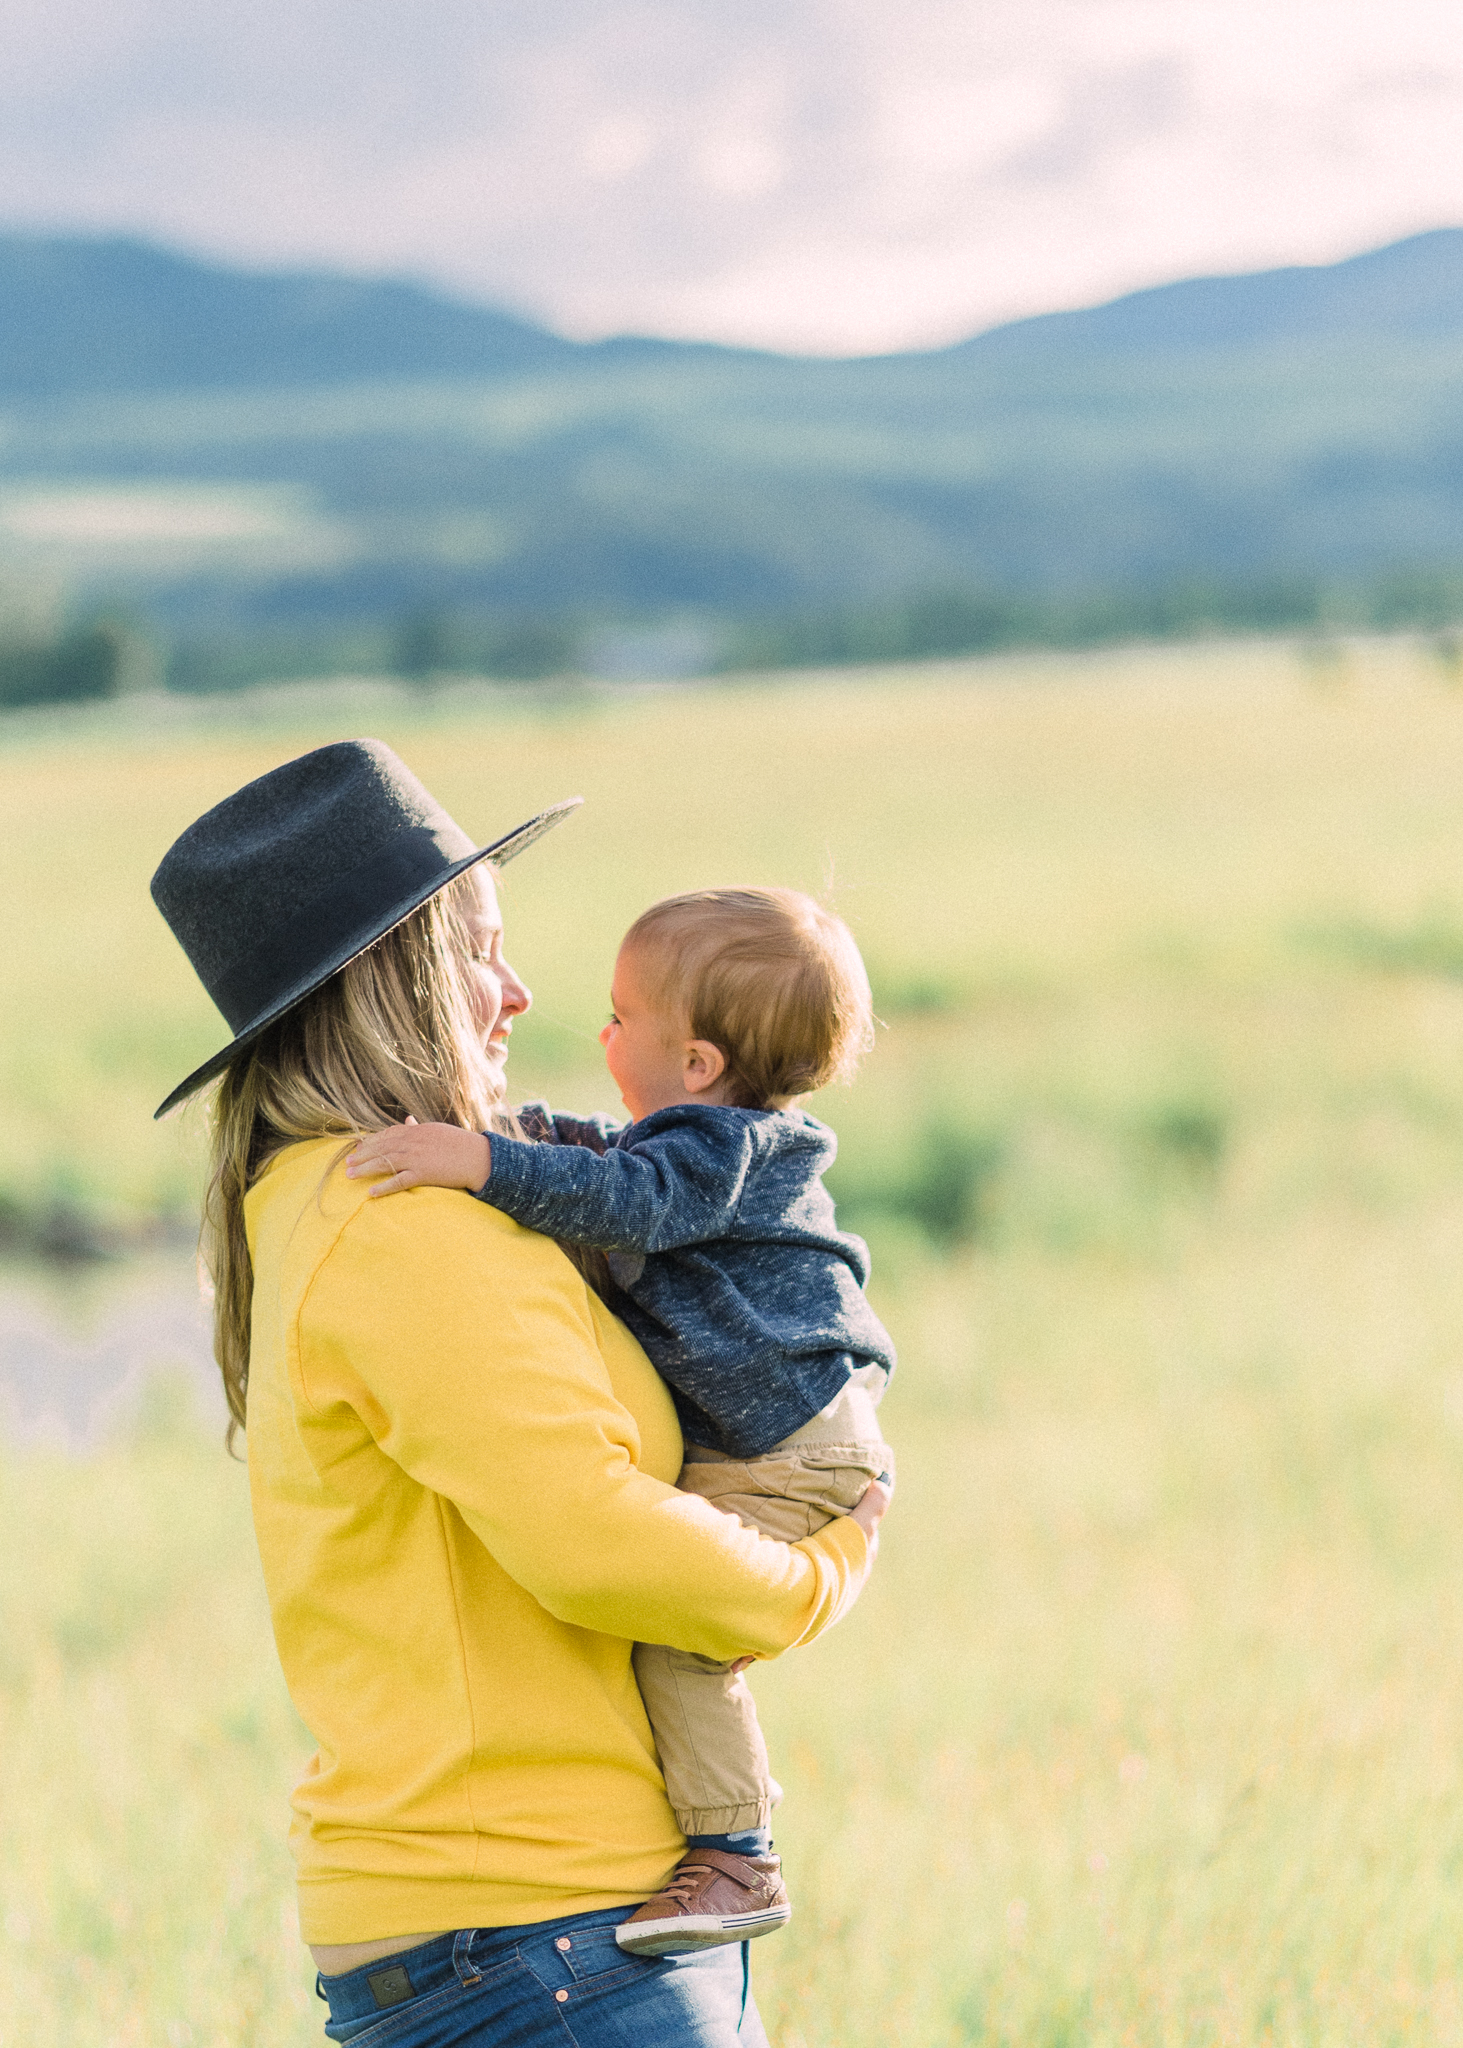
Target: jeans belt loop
(468,1973)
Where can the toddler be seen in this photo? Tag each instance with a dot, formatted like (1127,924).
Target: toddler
(726,1262)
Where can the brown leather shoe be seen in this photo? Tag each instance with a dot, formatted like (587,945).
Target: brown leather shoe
(709,1899)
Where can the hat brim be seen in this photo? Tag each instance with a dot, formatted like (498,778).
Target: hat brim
(500,853)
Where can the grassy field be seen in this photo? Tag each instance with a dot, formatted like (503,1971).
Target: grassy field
(1148,1730)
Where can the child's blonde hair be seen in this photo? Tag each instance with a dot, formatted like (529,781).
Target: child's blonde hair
(768,976)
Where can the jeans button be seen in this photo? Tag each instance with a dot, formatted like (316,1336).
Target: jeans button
(563,1942)
(562,1996)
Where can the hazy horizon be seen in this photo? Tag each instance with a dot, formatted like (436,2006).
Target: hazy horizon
(822,176)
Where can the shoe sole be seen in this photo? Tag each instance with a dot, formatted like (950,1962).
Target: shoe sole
(703,1930)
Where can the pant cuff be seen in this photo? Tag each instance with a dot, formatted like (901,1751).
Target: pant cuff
(724,1820)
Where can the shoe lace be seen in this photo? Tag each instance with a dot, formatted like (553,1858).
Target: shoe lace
(684,1882)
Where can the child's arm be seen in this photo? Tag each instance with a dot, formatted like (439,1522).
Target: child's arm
(675,1186)
(413,1155)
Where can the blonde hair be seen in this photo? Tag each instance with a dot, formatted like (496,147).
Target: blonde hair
(768,976)
(392,1035)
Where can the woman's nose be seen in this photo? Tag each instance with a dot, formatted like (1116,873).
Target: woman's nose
(516,996)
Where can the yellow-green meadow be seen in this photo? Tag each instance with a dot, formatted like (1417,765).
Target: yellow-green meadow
(1148,1729)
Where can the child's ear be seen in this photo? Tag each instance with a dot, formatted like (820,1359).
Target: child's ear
(702,1065)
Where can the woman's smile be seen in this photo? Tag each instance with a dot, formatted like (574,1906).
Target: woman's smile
(498,996)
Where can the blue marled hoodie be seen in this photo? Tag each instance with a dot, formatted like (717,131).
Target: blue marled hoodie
(721,1237)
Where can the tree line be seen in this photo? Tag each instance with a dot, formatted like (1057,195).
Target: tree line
(104,659)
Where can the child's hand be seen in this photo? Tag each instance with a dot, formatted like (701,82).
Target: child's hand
(871,1510)
(413,1155)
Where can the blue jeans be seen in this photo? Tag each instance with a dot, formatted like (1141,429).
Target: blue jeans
(557,1984)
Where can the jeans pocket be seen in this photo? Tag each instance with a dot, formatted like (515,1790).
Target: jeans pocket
(594,1953)
(590,1960)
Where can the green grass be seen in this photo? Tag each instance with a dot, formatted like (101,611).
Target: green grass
(1105,901)
(1147,1730)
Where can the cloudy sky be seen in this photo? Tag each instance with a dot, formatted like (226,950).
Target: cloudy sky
(831,175)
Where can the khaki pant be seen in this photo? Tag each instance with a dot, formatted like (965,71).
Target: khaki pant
(702,1713)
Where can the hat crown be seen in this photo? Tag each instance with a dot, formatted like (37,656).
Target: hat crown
(291,868)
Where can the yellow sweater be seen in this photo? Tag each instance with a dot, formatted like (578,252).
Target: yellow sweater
(460,1465)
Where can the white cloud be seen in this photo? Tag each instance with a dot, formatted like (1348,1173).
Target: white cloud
(616,145)
(826,174)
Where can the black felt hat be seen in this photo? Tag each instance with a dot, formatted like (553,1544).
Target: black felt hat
(276,888)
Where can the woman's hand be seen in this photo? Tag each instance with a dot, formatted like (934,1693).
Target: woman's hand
(871,1510)
(413,1155)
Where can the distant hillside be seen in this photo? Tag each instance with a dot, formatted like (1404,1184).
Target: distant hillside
(317,461)
(118,315)
(1410,291)
(86,314)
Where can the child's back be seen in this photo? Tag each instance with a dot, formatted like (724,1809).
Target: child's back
(723,1244)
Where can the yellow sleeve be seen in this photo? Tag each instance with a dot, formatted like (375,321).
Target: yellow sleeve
(468,1348)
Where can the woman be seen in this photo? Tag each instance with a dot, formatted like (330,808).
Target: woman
(461,1464)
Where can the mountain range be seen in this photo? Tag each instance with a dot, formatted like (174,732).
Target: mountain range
(236,456)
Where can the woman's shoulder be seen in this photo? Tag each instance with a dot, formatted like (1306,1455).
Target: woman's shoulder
(305,1201)
(404,1294)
